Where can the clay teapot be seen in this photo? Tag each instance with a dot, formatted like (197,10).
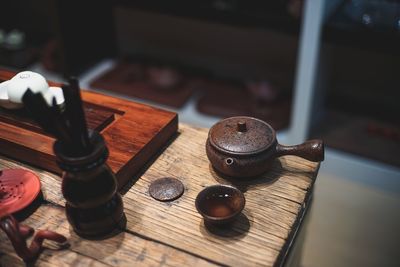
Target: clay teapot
(246,147)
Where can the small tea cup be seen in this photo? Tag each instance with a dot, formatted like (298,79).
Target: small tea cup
(220,204)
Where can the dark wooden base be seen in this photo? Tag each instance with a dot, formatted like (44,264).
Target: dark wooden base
(134,133)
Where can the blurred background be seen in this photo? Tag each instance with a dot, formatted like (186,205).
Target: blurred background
(313,69)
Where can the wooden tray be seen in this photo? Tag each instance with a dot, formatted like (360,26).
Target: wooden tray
(97,118)
(133,133)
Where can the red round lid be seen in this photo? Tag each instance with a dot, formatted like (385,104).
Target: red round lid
(18,189)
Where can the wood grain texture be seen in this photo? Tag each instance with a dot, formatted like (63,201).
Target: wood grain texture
(123,249)
(96,118)
(136,134)
(274,204)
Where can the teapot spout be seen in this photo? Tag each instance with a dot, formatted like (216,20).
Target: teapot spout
(229,162)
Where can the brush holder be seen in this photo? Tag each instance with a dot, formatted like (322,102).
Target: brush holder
(94,208)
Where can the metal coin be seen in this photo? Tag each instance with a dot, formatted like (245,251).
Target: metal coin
(166,189)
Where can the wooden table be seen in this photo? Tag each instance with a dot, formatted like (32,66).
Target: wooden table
(173,234)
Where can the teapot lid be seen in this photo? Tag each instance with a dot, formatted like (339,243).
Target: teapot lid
(242,135)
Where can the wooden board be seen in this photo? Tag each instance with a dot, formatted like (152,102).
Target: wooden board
(135,134)
(275,204)
(125,249)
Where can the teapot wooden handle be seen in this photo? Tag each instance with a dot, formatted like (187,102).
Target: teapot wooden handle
(312,150)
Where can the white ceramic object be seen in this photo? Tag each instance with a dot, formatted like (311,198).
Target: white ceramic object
(20,83)
(12,91)
(3,91)
(57,93)
(4,100)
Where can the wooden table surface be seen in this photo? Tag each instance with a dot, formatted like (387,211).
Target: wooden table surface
(174,234)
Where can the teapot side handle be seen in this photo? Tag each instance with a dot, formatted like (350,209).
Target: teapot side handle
(312,150)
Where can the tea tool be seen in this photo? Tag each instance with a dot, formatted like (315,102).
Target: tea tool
(246,147)
(94,208)
(220,204)
(166,189)
(13,90)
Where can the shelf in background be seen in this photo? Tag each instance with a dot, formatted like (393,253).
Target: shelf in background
(342,28)
(213,96)
(360,135)
(271,15)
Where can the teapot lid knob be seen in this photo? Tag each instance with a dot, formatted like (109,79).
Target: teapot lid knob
(241,126)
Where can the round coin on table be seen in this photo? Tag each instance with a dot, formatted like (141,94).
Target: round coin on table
(166,189)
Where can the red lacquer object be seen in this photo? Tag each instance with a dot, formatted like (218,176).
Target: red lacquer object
(18,189)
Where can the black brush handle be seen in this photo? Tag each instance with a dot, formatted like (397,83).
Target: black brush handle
(81,126)
(36,106)
(60,123)
(45,116)
(76,116)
